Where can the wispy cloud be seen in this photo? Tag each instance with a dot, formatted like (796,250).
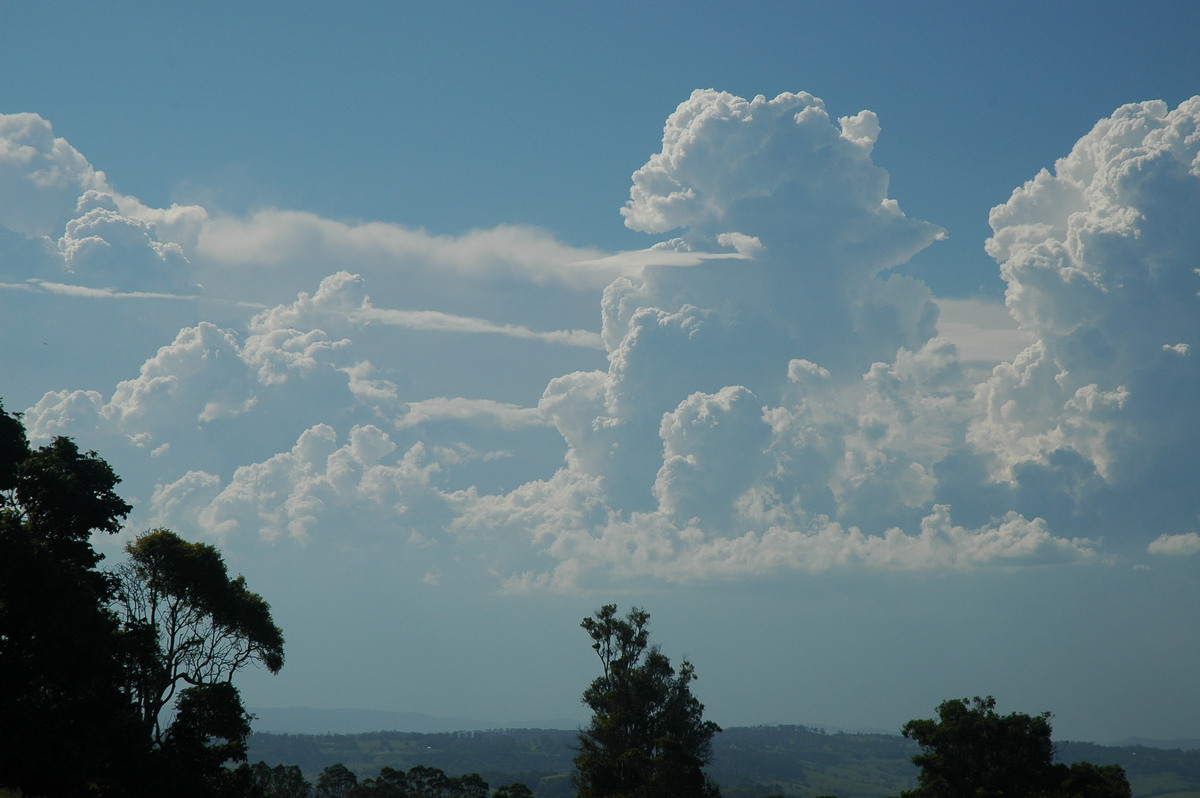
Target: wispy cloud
(437,321)
(484,411)
(65,289)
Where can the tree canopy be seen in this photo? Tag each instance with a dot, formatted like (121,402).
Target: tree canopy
(67,724)
(971,750)
(91,660)
(647,736)
(200,625)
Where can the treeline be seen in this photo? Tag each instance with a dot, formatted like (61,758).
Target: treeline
(337,781)
(539,758)
(748,762)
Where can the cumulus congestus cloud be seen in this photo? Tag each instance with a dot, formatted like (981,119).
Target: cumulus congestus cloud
(784,407)
(1094,423)
(754,393)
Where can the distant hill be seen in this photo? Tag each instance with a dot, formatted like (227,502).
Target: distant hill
(747,762)
(1186,744)
(304,720)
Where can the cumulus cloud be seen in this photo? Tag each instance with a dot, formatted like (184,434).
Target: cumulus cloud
(43,176)
(782,409)
(1099,257)
(778,170)
(312,486)
(983,332)
(76,226)
(1175,545)
(763,395)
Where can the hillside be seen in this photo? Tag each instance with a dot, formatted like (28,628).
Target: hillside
(747,762)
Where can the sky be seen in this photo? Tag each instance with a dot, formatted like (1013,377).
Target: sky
(856,343)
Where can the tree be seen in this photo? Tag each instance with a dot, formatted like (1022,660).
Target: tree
(192,753)
(647,736)
(971,750)
(89,660)
(390,783)
(191,628)
(514,790)
(198,626)
(66,726)
(335,781)
(281,781)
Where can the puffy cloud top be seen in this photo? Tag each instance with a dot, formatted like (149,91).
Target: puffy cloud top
(1100,260)
(779,170)
(765,397)
(43,176)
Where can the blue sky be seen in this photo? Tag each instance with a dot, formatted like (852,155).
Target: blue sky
(362,294)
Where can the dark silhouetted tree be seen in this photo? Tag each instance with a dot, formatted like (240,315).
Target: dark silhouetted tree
(390,783)
(647,736)
(209,729)
(281,781)
(335,781)
(971,750)
(202,625)
(90,660)
(66,726)
(193,627)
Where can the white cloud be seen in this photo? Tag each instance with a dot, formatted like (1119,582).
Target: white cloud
(482,411)
(1175,545)
(44,286)
(713,446)
(43,176)
(447,322)
(593,548)
(759,416)
(1099,257)
(980,330)
(103,247)
(294,245)
(772,399)
(779,170)
(363,487)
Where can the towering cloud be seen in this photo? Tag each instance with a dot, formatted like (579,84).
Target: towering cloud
(43,176)
(761,395)
(1096,420)
(786,406)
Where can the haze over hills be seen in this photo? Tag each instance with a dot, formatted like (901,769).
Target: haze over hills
(748,762)
(307,720)
(314,721)
(1190,744)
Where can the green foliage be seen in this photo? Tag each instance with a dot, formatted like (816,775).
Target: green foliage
(90,659)
(197,626)
(647,736)
(748,762)
(971,750)
(209,729)
(338,781)
(335,781)
(390,783)
(191,628)
(1085,780)
(61,650)
(282,781)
